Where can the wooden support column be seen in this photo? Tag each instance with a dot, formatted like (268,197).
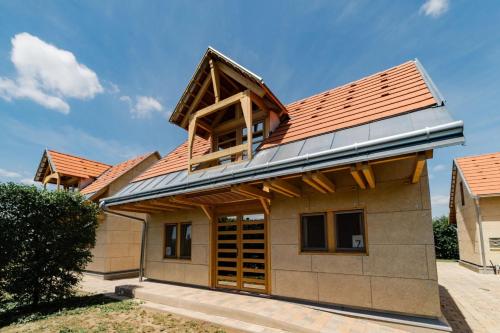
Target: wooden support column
(215,80)
(246,107)
(191,134)
(419,167)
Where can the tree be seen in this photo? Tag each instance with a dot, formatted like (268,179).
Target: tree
(45,241)
(445,238)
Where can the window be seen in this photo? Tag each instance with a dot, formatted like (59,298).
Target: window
(462,193)
(349,231)
(177,241)
(333,232)
(313,227)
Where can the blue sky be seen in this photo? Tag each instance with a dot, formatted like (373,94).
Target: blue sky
(126,63)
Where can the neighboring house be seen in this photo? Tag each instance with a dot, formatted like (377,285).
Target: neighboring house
(118,240)
(475,208)
(324,200)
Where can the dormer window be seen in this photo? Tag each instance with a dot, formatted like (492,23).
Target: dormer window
(228,106)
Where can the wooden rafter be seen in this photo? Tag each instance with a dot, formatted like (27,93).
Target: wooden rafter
(283,187)
(152,207)
(241,79)
(214,73)
(324,181)
(369,175)
(209,212)
(419,167)
(357,177)
(251,191)
(309,181)
(197,99)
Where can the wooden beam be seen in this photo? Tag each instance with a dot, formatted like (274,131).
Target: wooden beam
(185,201)
(357,177)
(309,181)
(151,207)
(196,100)
(241,79)
(246,108)
(324,181)
(251,191)
(265,205)
(131,209)
(231,124)
(220,105)
(209,212)
(218,154)
(369,175)
(214,73)
(170,204)
(283,186)
(191,134)
(419,167)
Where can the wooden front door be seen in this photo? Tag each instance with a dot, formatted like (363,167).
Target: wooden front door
(241,252)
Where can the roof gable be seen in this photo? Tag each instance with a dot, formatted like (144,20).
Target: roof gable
(114,173)
(69,165)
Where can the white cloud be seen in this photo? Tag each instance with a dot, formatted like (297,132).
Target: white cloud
(440,200)
(435,8)
(439,168)
(47,75)
(143,106)
(29,181)
(9,174)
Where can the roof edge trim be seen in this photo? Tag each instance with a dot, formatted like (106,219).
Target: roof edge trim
(452,130)
(432,86)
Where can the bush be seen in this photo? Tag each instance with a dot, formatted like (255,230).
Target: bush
(445,238)
(45,242)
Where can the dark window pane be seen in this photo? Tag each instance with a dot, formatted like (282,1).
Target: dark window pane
(314,232)
(185,240)
(171,240)
(349,231)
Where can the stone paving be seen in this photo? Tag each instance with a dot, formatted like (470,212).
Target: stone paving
(470,301)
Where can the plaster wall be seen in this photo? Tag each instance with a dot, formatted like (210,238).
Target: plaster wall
(490,212)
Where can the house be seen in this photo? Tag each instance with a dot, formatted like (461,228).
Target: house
(117,250)
(475,209)
(324,200)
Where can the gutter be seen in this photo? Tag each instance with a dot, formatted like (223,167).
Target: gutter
(307,162)
(143,236)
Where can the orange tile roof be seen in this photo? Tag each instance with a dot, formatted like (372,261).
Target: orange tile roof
(113,173)
(385,94)
(70,165)
(398,90)
(176,160)
(482,173)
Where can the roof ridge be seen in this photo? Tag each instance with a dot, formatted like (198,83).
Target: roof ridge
(351,82)
(82,158)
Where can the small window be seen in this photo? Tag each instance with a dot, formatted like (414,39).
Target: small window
(349,231)
(313,231)
(177,241)
(462,193)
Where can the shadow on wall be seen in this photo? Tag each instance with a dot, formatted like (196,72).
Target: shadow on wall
(452,313)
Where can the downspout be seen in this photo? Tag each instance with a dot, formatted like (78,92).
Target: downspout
(481,237)
(143,236)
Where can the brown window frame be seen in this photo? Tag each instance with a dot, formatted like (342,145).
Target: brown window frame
(363,231)
(325,228)
(331,233)
(178,247)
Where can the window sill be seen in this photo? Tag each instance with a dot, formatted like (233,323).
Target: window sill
(175,259)
(334,253)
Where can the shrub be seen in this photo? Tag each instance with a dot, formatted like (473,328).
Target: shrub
(445,238)
(45,242)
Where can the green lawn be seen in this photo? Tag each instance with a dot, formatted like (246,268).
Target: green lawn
(96,313)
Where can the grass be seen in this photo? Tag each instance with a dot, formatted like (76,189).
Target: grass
(95,314)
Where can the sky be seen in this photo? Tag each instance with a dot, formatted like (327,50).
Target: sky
(99,78)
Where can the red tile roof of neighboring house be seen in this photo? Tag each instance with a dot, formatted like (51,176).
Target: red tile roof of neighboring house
(482,173)
(70,165)
(398,90)
(113,173)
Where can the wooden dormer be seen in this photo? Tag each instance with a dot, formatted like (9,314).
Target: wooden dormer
(230,107)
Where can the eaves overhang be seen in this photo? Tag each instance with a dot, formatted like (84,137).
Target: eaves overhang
(442,135)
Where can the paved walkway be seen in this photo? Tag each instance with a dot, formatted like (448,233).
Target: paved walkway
(248,313)
(470,301)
